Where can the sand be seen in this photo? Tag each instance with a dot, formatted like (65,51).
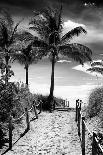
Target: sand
(51,134)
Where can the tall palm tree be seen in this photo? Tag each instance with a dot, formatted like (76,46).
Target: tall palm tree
(49,26)
(7,37)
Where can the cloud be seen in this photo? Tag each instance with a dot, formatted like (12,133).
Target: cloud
(63,61)
(70,24)
(93,39)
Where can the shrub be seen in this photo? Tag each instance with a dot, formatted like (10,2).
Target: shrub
(14,98)
(45,101)
(7,95)
(3,140)
(95,102)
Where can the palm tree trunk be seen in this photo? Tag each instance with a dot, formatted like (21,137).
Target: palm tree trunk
(50,98)
(52,79)
(26,67)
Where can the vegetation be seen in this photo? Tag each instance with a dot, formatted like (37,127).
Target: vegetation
(3,140)
(49,26)
(7,38)
(44,100)
(25,51)
(95,103)
(96,67)
(14,97)
(25,48)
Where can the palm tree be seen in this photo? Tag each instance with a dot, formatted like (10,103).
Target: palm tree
(25,52)
(49,26)
(7,37)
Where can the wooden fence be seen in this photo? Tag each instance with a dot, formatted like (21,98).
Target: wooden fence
(82,127)
(26,114)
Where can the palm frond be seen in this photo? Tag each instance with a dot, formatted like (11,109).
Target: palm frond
(13,32)
(48,13)
(6,18)
(96,69)
(48,22)
(87,53)
(59,19)
(77,52)
(40,26)
(28,53)
(23,56)
(74,32)
(3,35)
(24,36)
(39,43)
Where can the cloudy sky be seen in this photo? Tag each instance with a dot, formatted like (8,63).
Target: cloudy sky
(87,13)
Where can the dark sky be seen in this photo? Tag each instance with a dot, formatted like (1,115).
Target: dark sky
(74,6)
(86,12)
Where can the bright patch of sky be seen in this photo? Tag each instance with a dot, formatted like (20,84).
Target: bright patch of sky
(62,61)
(71,24)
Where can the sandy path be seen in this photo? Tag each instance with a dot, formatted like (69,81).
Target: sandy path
(52,134)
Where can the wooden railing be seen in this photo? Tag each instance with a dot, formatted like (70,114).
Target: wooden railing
(26,114)
(82,128)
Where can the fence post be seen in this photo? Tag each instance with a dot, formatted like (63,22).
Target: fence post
(27,119)
(80,103)
(76,111)
(10,132)
(94,150)
(54,104)
(40,106)
(79,121)
(35,110)
(83,136)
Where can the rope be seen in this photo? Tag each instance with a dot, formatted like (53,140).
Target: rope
(30,109)
(38,104)
(91,134)
(14,120)
(99,145)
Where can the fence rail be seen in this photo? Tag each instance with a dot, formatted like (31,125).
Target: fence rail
(26,114)
(96,147)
